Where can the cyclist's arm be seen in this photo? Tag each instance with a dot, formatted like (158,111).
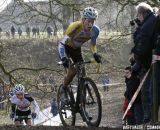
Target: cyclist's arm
(33,103)
(61,46)
(13,103)
(94,36)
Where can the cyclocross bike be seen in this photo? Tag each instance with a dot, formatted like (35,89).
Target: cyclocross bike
(86,100)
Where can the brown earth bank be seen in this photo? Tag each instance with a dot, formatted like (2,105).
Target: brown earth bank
(43,53)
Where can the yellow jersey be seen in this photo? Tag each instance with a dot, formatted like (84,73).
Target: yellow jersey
(76,36)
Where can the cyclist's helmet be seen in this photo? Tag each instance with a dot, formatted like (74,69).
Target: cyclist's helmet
(90,13)
(19,88)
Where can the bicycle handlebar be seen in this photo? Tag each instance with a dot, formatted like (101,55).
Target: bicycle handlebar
(85,62)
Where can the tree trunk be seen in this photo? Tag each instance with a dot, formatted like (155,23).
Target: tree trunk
(132,17)
(55,29)
(66,17)
(76,9)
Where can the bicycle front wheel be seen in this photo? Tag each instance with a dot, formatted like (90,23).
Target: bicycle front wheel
(91,103)
(66,107)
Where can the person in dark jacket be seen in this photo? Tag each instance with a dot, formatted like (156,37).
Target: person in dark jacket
(132,82)
(129,119)
(0,32)
(28,30)
(54,107)
(20,32)
(13,30)
(143,44)
(38,32)
(49,31)
(34,30)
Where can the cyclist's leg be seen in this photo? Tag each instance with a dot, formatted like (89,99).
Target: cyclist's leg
(28,122)
(27,115)
(76,56)
(18,120)
(69,77)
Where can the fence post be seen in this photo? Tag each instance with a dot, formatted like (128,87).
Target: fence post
(156,83)
(155,93)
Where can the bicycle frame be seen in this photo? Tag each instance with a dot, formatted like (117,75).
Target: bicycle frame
(79,68)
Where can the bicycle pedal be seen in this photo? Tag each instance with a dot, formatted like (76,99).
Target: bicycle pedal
(63,113)
(66,115)
(84,124)
(90,118)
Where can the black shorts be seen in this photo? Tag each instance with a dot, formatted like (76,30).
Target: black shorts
(74,54)
(22,115)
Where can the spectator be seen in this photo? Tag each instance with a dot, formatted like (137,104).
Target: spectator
(19,32)
(54,107)
(132,82)
(0,32)
(13,30)
(28,30)
(37,31)
(49,32)
(144,42)
(34,32)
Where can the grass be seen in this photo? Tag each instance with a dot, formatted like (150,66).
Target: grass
(43,35)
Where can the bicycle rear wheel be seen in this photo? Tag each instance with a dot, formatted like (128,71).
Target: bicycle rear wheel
(91,103)
(66,107)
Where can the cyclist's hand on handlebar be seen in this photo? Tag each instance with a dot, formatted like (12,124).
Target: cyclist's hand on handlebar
(12,115)
(97,58)
(65,62)
(34,115)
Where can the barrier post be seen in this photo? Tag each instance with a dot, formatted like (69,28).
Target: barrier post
(155,92)
(156,81)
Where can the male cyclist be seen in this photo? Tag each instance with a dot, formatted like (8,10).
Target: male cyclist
(76,35)
(21,103)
